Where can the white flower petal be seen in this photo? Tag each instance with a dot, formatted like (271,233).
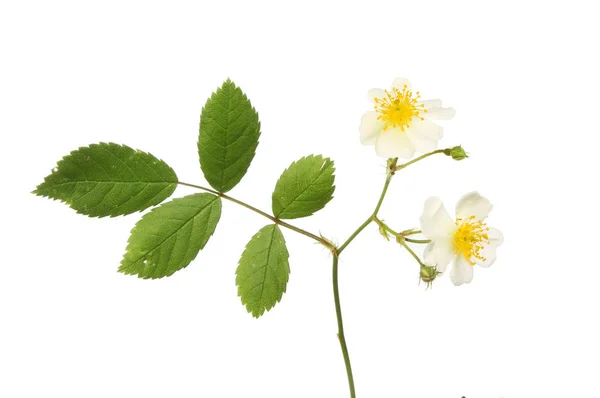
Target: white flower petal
(369,128)
(394,143)
(439,253)
(489,251)
(424,134)
(376,93)
(434,103)
(435,221)
(462,271)
(489,255)
(473,204)
(427,129)
(495,236)
(422,144)
(400,82)
(440,113)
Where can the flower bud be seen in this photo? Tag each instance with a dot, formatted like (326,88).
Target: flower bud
(428,274)
(457,153)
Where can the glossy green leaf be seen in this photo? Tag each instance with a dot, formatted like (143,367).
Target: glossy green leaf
(304,188)
(229,132)
(170,236)
(263,270)
(109,180)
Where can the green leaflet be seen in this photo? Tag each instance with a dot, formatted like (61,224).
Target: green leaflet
(304,188)
(263,270)
(170,236)
(109,180)
(229,131)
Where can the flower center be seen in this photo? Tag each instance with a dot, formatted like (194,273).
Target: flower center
(470,238)
(398,108)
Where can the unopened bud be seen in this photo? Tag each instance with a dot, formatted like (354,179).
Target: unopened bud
(428,274)
(457,153)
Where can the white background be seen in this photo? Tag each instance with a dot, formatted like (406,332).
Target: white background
(523,77)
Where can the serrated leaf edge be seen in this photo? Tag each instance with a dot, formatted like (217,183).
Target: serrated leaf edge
(213,97)
(326,161)
(215,197)
(65,158)
(257,314)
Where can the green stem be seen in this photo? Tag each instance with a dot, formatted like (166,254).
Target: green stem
(319,239)
(340,322)
(404,233)
(385,227)
(402,239)
(354,234)
(336,292)
(391,167)
(422,241)
(412,253)
(417,159)
(383,192)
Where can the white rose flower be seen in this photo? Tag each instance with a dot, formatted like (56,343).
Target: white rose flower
(401,122)
(468,241)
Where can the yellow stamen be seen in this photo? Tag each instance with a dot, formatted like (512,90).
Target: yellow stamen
(398,108)
(470,238)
